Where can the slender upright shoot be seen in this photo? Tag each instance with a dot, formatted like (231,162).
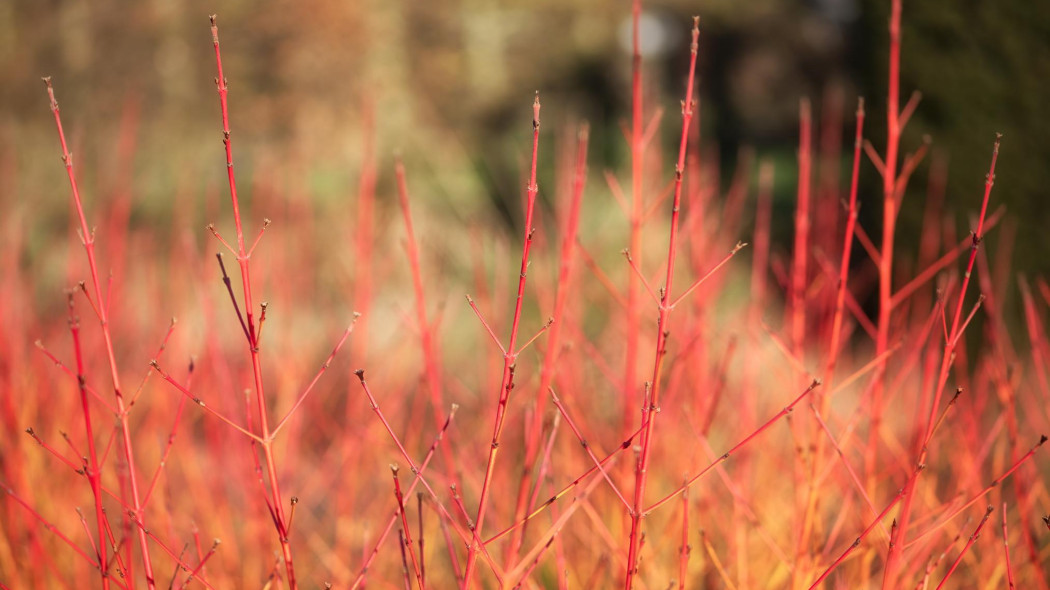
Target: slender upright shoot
(275,505)
(102,311)
(510,355)
(653,403)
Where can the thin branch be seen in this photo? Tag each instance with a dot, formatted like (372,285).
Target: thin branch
(909,109)
(969,543)
(539,333)
(233,298)
(215,232)
(416,477)
(600,275)
(617,191)
(206,407)
(568,488)
(725,457)
(266,224)
(973,500)
(587,447)
(652,127)
(638,272)
(874,157)
(62,367)
(867,244)
(324,367)
(911,162)
(488,328)
(700,281)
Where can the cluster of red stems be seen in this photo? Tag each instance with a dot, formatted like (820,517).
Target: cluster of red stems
(606,505)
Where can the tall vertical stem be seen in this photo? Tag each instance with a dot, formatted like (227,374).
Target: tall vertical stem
(824,398)
(630,375)
(510,356)
(947,358)
(93,472)
(653,405)
(103,317)
(802,224)
(553,350)
(889,223)
(276,505)
(431,360)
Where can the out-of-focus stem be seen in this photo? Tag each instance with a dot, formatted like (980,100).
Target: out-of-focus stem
(824,399)
(889,223)
(802,224)
(630,386)
(431,360)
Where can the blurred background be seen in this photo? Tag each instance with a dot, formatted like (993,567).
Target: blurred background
(449,84)
(319,87)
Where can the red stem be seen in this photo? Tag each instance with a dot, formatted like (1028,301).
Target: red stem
(725,456)
(587,447)
(431,360)
(947,357)
(463,535)
(969,543)
(72,544)
(276,504)
(889,221)
(168,446)
(642,465)
(844,263)
(799,261)
(195,573)
(310,387)
(863,534)
(103,315)
(72,374)
(568,488)
(553,350)
(364,241)
(824,402)
(405,528)
(1006,552)
(416,478)
(684,549)
(985,491)
(93,472)
(632,315)
(510,357)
